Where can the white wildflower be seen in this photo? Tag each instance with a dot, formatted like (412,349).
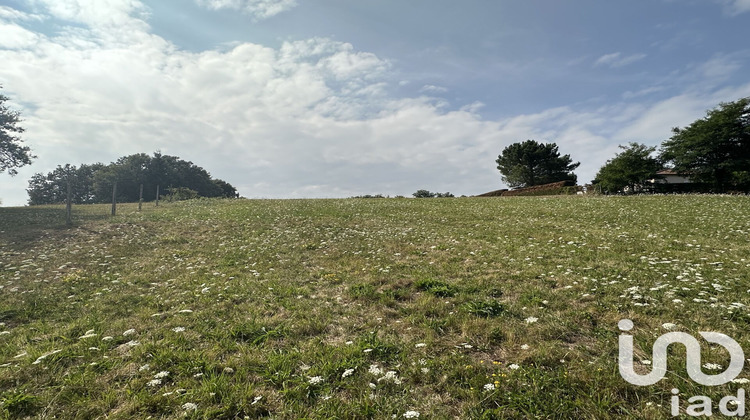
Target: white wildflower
(129,332)
(513,366)
(144,367)
(391,376)
(44,356)
(418,345)
(711,366)
(346,373)
(154,382)
(162,374)
(88,334)
(411,414)
(531,320)
(315,380)
(178,329)
(375,370)
(189,406)
(489,387)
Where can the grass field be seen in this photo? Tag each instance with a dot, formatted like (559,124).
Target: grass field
(380,308)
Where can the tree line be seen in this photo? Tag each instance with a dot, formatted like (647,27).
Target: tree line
(95,183)
(713,152)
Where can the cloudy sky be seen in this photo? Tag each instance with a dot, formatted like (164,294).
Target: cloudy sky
(334,98)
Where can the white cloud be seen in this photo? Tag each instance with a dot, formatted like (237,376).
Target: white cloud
(433,89)
(310,118)
(616,60)
(96,13)
(7,13)
(731,7)
(736,7)
(642,92)
(16,37)
(259,9)
(719,67)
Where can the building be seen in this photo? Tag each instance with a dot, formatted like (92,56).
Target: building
(670,176)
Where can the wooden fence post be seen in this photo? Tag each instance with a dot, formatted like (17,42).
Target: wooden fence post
(114,198)
(157,195)
(140,198)
(68,204)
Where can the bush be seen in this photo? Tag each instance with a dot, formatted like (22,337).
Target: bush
(429,194)
(370,196)
(423,194)
(180,194)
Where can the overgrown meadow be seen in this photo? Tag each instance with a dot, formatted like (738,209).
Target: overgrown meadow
(381,308)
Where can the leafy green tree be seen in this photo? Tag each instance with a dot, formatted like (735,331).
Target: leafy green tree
(227,190)
(93,183)
(714,149)
(423,194)
(430,194)
(628,169)
(12,153)
(52,188)
(533,163)
(129,172)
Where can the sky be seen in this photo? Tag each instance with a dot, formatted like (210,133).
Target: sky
(337,98)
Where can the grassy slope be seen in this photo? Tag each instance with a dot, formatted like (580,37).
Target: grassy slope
(442,292)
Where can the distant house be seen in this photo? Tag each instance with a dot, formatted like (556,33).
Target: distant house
(670,176)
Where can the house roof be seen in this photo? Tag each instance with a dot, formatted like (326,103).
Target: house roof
(670,172)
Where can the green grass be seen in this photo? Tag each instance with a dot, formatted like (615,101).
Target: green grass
(360,308)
